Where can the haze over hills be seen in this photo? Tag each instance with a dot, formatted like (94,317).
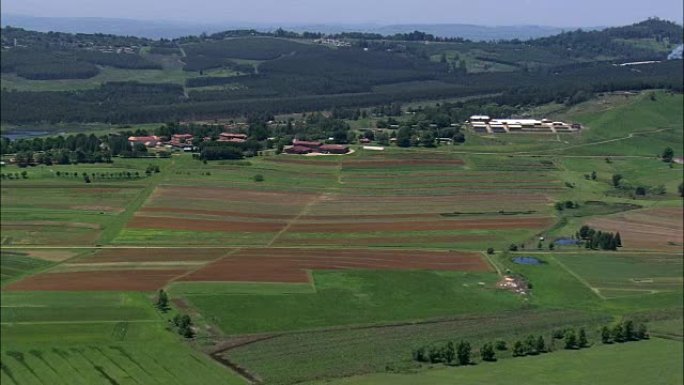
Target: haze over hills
(156,29)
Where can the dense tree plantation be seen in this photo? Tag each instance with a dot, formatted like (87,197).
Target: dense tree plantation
(285,73)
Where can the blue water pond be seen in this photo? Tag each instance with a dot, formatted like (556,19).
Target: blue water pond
(566,242)
(527,261)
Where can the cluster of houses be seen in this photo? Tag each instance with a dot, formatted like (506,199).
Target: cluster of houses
(182,141)
(485,124)
(333,42)
(302,147)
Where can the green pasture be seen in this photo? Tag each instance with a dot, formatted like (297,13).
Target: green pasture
(358,297)
(296,357)
(656,361)
(633,274)
(14,265)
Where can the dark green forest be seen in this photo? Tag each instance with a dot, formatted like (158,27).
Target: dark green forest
(284,72)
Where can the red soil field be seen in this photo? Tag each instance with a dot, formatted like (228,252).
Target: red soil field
(397,240)
(231,195)
(220,213)
(400,162)
(291,265)
(654,229)
(203,225)
(152,255)
(461,224)
(113,280)
(460,197)
(344,227)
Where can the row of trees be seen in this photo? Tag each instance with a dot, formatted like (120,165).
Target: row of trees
(596,239)
(181,322)
(624,331)
(572,339)
(447,353)
(16,175)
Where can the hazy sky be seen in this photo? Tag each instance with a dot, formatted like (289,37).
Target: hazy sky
(486,12)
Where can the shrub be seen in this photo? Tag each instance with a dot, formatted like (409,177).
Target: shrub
(258,178)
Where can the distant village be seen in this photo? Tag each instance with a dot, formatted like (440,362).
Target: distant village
(187,143)
(485,124)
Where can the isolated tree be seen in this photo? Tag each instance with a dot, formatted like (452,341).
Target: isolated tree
(487,352)
(541,345)
(642,332)
(582,341)
(449,352)
(668,155)
(518,349)
(570,339)
(404,137)
(616,180)
(530,345)
(162,301)
(680,188)
(628,330)
(420,354)
(606,335)
(501,345)
(513,247)
(593,175)
(618,333)
(463,353)
(490,250)
(435,354)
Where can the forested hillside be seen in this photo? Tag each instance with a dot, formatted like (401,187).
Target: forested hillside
(58,77)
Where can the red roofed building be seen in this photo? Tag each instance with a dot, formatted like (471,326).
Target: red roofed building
(334,149)
(181,140)
(149,141)
(299,150)
(311,145)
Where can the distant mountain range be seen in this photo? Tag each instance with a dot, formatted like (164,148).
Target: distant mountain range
(172,29)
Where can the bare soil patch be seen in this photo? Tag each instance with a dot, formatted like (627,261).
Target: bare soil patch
(657,229)
(114,280)
(291,265)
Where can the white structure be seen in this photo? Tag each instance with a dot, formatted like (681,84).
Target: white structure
(485,124)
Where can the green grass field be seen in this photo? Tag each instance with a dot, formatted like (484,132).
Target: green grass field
(346,321)
(654,362)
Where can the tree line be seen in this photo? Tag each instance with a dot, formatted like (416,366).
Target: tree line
(596,239)
(570,339)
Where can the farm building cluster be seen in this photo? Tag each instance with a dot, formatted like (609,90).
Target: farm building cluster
(301,147)
(183,141)
(486,125)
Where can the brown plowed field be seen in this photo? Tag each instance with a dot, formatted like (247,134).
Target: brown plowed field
(345,227)
(113,280)
(397,240)
(152,255)
(231,195)
(291,265)
(202,225)
(464,224)
(238,214)
(657,229)
(400,162)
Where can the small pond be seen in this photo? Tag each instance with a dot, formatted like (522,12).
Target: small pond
(566,242)
(527,261)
